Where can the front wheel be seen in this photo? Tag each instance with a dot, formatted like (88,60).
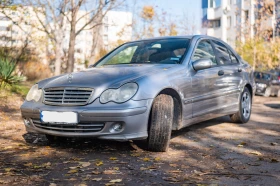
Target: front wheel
(160,126)
(245,106)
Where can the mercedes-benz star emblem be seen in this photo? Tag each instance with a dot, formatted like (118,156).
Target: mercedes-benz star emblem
(70,78)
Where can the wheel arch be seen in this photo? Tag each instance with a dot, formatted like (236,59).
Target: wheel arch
(178,107)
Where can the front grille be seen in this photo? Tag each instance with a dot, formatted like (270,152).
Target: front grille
(82,127)
(67,96)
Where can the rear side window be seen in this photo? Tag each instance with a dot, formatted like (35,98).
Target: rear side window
(222,53)
(204,50)
(233,58)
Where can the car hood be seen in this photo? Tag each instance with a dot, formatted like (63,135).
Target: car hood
(108,76)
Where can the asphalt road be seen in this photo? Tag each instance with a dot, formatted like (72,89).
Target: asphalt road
(215,152)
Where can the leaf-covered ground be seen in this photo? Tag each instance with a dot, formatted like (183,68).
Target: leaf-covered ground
(215,152)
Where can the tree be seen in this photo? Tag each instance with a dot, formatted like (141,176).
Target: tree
(256,42)
(94,16)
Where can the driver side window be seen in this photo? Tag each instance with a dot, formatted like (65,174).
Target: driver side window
(204,50)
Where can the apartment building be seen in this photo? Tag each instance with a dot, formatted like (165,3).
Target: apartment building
(20,27)
(237,19)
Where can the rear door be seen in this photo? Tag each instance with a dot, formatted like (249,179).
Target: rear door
(230,76)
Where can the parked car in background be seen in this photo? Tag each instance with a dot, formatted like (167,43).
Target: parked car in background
(143,90)
(277,73)
(267,84)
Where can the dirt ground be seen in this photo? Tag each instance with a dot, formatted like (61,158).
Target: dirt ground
(215,152)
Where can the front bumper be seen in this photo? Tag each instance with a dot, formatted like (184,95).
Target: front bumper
(260,91)
(95,120)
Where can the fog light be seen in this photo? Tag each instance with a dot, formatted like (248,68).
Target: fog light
(116,127)
(26,122)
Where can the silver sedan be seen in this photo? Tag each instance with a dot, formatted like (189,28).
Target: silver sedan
(142,91)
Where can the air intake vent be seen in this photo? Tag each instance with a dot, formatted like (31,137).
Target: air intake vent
(68,96)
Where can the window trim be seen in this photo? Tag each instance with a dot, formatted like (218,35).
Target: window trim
(228,49)
(196,45)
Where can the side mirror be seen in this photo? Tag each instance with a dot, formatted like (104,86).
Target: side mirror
(202,64)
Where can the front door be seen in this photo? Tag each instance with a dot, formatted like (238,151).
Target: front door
(205,87)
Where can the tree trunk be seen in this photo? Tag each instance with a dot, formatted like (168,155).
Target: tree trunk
(72,42)
(57,64)
(71,52)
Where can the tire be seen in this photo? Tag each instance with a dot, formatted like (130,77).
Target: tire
(245,106)
(267,92)
(160,126)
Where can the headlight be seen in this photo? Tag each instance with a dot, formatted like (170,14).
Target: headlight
(262,85)
(120,95)
(34,93)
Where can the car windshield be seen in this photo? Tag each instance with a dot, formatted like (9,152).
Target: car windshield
(161,51)
(262,76)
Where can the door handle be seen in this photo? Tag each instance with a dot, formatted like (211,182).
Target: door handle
(221,72)
(239,70)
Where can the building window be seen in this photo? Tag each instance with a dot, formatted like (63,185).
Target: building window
(229,21)
(214,3)
(246,15)
(214,23)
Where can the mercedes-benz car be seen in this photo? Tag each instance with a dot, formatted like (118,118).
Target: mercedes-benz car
(142,90)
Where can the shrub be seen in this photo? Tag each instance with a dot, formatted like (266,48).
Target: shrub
(7,75)
(36,70)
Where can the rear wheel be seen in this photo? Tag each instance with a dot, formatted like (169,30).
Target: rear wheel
(245,105)
(267,92)
(160,125)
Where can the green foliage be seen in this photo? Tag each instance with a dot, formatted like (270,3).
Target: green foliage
(7,76)
(261,54)
(21,90)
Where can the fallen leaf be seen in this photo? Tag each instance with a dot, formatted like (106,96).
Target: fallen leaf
(95,172)
(8,169)
(73,171)
(99,163)
(157,159)
(135,155)
(113,158)
(273,160)
(52,184)
(28,164)
(116,168)
(173,165)
(273,144)
(146,159)
(170,179)
(255,153)
(85,164)
(96,179)
(109,172)
(116,181)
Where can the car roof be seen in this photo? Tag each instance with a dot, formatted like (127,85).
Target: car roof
(178,37)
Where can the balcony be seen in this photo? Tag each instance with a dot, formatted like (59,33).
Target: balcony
(214,13)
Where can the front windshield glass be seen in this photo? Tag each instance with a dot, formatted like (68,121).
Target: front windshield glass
(262,76)
(161,51)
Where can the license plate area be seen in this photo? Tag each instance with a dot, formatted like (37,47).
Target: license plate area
(67,118)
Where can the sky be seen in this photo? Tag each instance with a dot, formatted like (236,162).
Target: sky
(173,8)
